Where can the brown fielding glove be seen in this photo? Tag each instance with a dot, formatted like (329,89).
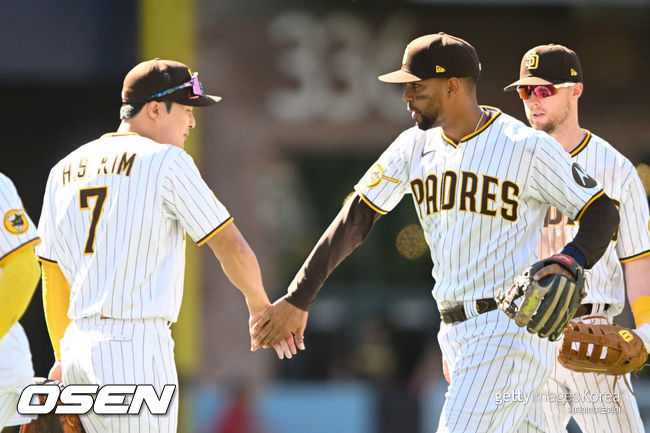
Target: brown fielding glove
(615,350)
(52,423)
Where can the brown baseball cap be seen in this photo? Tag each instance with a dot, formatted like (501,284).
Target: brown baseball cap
(548,64)
(164,80)
(434,56)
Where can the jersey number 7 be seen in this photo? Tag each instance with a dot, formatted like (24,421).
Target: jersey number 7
(99,192)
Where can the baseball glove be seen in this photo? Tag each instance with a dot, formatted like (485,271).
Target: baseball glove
(52,423)
(606,349)
(547,305)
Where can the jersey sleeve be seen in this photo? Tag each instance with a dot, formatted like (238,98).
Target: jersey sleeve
(559,181)
(46,228)
(387,181)
(17,228)
(634,229)
(189,200)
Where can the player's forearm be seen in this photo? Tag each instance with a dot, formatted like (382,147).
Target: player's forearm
(348,230)
(637,284)
(18,280)
(597,227)
(56,303)
(240,266)
(243,271)
(637,278)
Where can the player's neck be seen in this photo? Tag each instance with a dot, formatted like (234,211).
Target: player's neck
(135,126)
(569,136)
(125,127)
(466,124)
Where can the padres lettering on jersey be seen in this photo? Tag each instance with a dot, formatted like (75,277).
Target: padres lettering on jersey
(478,199)
(486,195)
(114,218)
(605,281)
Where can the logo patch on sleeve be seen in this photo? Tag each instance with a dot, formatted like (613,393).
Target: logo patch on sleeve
(581,177)
(376,175)
(15,222)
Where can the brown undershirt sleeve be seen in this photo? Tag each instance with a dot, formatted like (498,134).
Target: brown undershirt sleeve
(348,230)
(597,227)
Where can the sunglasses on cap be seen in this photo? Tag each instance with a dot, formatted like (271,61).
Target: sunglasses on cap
(194,83)
(541,91)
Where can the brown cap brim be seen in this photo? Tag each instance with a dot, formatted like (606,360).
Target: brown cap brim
(531,81)
(201,101)
(399,77)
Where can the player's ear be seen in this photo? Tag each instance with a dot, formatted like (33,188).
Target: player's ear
(453,86)
(153,109)
(576,91)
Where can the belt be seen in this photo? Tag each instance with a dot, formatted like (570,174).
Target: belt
(588,309)
(457,313)
(102,317)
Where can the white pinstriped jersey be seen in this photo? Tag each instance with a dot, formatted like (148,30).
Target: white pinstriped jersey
(620,180)
(482,202)
(114,218)
(17,230)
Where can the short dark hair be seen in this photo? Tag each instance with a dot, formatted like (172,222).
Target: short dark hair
(130,110)
(472,80)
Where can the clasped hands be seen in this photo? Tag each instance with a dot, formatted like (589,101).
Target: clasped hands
(280,326)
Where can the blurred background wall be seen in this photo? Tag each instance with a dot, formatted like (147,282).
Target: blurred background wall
(303,117)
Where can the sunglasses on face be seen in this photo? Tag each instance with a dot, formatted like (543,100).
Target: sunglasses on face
(541,91)
(196,88)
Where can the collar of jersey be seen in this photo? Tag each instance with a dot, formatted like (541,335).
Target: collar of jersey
(475,133)
(580,147)
(118,134)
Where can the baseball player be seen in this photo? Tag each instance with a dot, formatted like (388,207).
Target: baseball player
(550,86)
(481,183)
(113,226)
(19,275)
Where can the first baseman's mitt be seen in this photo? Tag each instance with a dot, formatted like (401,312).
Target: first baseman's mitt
(547,305)
(606,349)
(52,423)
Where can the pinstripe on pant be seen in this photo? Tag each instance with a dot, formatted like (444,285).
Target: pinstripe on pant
(16,373)
(110,351)
(8,402)
(490,359)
